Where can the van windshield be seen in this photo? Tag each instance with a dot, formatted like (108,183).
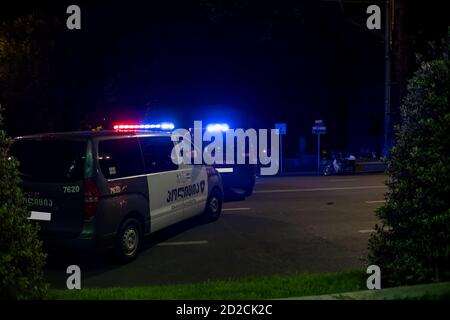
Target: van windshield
(50,160)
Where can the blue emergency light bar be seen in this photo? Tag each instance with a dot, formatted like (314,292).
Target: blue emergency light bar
(217,127)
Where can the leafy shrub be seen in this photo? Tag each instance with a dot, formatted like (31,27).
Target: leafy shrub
(413,243)
(21,257)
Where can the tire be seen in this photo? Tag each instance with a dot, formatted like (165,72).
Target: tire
(213,206)
(248,191)
(129,240)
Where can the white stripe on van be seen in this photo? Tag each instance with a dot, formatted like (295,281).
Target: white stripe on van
(42,216)
(225,170)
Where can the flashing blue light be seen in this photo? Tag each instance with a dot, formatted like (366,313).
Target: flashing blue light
(167,126)
(217,127)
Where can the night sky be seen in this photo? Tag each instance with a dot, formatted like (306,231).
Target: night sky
(247,63)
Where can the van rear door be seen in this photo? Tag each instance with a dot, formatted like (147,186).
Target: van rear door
(52,172)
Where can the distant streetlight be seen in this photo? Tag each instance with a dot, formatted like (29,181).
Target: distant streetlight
(387,79)
(388,26)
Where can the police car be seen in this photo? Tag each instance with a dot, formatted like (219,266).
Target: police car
(238,179)
(108,189)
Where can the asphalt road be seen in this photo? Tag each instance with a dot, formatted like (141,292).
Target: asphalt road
(289,224)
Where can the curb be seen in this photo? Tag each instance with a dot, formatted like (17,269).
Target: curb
(431,291)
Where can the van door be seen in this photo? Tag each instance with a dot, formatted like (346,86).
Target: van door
(124,189)
(196,184)
(197,189)
(165,182)
(52,173)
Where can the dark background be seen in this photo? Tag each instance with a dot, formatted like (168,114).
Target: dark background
(246,63)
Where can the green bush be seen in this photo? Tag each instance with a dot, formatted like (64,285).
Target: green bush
(412,245)
(21,256)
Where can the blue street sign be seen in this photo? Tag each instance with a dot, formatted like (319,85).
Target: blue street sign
(319,130)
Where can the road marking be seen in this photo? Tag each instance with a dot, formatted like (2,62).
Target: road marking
(376,201)
(366,231)
(181,243)
(320,189)
(235,209)
(342,180)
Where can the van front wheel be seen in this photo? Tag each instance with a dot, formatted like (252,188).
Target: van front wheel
(213,206)
(128,240)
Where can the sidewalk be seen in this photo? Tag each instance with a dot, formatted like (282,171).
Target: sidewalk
(431,291)
(361,168)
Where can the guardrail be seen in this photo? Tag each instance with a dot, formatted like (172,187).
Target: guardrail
(374,166)
(309,164)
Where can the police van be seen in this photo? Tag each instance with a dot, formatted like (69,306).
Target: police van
(109,189)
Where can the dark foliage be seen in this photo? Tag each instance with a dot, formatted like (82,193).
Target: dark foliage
(21,256)
(413,243)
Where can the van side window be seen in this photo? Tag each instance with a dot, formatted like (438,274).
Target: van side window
(157,154)
(120,158)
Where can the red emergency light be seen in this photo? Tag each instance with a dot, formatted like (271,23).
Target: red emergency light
(146,126)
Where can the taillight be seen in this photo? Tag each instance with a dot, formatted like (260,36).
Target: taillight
(91,198)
